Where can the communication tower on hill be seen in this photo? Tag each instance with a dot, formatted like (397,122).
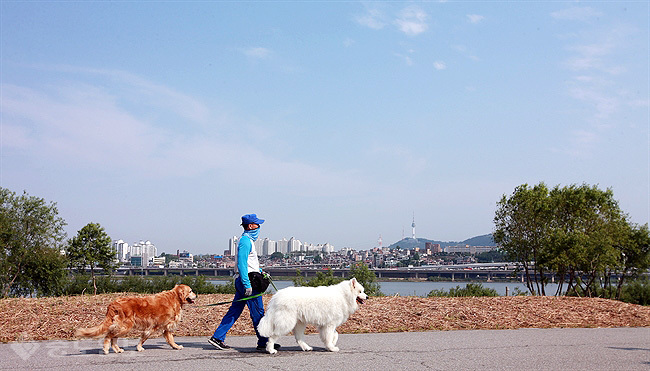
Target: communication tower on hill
(413,225)
(380,246)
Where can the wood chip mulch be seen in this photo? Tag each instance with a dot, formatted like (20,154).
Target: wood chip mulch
(23,319)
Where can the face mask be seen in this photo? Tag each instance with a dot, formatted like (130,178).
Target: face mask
(253,234)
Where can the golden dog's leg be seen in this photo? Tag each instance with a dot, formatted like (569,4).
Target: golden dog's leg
(170,340)
(143,338)
(116,348)
(107,343)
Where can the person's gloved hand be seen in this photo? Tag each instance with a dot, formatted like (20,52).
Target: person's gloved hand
(249,291)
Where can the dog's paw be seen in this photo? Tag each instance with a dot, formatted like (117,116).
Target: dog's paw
(119,350)
(306,347)
(105,351)
(139,348)
(178,347)
(272,351)
(333,349)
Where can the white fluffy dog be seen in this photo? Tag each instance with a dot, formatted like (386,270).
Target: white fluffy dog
(327,307)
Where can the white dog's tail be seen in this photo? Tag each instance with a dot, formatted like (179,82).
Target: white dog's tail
(265,327)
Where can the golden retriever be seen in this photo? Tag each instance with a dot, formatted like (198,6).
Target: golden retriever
(147,314)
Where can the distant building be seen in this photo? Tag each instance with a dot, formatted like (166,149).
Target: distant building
(232,245)
(136,261)
(122,250)
(293,245)
(327,248)
(433,247)
(469,249)
(144,249)
(185,258)
(282,246)
(268,247)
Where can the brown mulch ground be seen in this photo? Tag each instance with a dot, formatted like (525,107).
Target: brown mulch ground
(24,319)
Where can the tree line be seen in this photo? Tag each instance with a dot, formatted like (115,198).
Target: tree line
(577,233)
(36,258)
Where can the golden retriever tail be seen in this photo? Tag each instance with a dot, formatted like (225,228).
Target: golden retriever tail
(101,329)
(96,331)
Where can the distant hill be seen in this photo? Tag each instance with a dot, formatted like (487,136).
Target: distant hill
(409,243)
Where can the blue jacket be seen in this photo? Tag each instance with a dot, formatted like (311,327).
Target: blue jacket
(246,259)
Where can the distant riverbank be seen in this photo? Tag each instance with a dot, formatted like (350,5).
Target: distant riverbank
(422,288)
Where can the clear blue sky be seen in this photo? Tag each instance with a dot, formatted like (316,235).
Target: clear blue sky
(335,121)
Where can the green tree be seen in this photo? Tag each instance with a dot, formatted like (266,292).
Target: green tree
(575,231)
(31,237)
(635,254)
(366,278)
(277,255)
(299,280)
(521,226)
(321,279)
(91,247)
(586,230)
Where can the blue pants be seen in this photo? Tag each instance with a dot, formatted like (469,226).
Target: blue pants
(255,307)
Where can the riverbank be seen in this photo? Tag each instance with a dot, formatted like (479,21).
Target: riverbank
(23,319)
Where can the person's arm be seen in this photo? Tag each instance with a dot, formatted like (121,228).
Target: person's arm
(243,249)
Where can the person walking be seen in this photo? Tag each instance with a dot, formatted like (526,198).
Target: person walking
(247,262)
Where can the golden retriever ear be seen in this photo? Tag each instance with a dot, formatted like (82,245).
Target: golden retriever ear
(179,292)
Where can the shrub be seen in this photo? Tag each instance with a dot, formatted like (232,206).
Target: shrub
(470,289)
(321,279)
(79,284)
(366,278)
(636,292)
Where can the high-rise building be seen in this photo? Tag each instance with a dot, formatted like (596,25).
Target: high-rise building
(232,245)
(282,246)
(122,250)
(327,248)
(144,249)
(294,245)
(268,247)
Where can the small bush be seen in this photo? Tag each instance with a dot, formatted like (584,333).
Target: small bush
(636,292)
(470,289)
(80,284)
(321,279)
(438,293)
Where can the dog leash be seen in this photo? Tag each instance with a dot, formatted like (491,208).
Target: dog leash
(232,301)
(266,275)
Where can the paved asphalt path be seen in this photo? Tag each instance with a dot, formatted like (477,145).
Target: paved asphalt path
(524,349)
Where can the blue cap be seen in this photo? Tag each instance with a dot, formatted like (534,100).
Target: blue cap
(251,219)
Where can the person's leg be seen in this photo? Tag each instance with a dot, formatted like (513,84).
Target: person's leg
(233,312)
(256,309)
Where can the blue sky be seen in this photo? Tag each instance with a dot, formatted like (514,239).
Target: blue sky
(335,121)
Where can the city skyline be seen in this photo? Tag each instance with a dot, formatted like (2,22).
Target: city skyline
(334,121)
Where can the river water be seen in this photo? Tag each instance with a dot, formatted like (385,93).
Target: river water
(407,288)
